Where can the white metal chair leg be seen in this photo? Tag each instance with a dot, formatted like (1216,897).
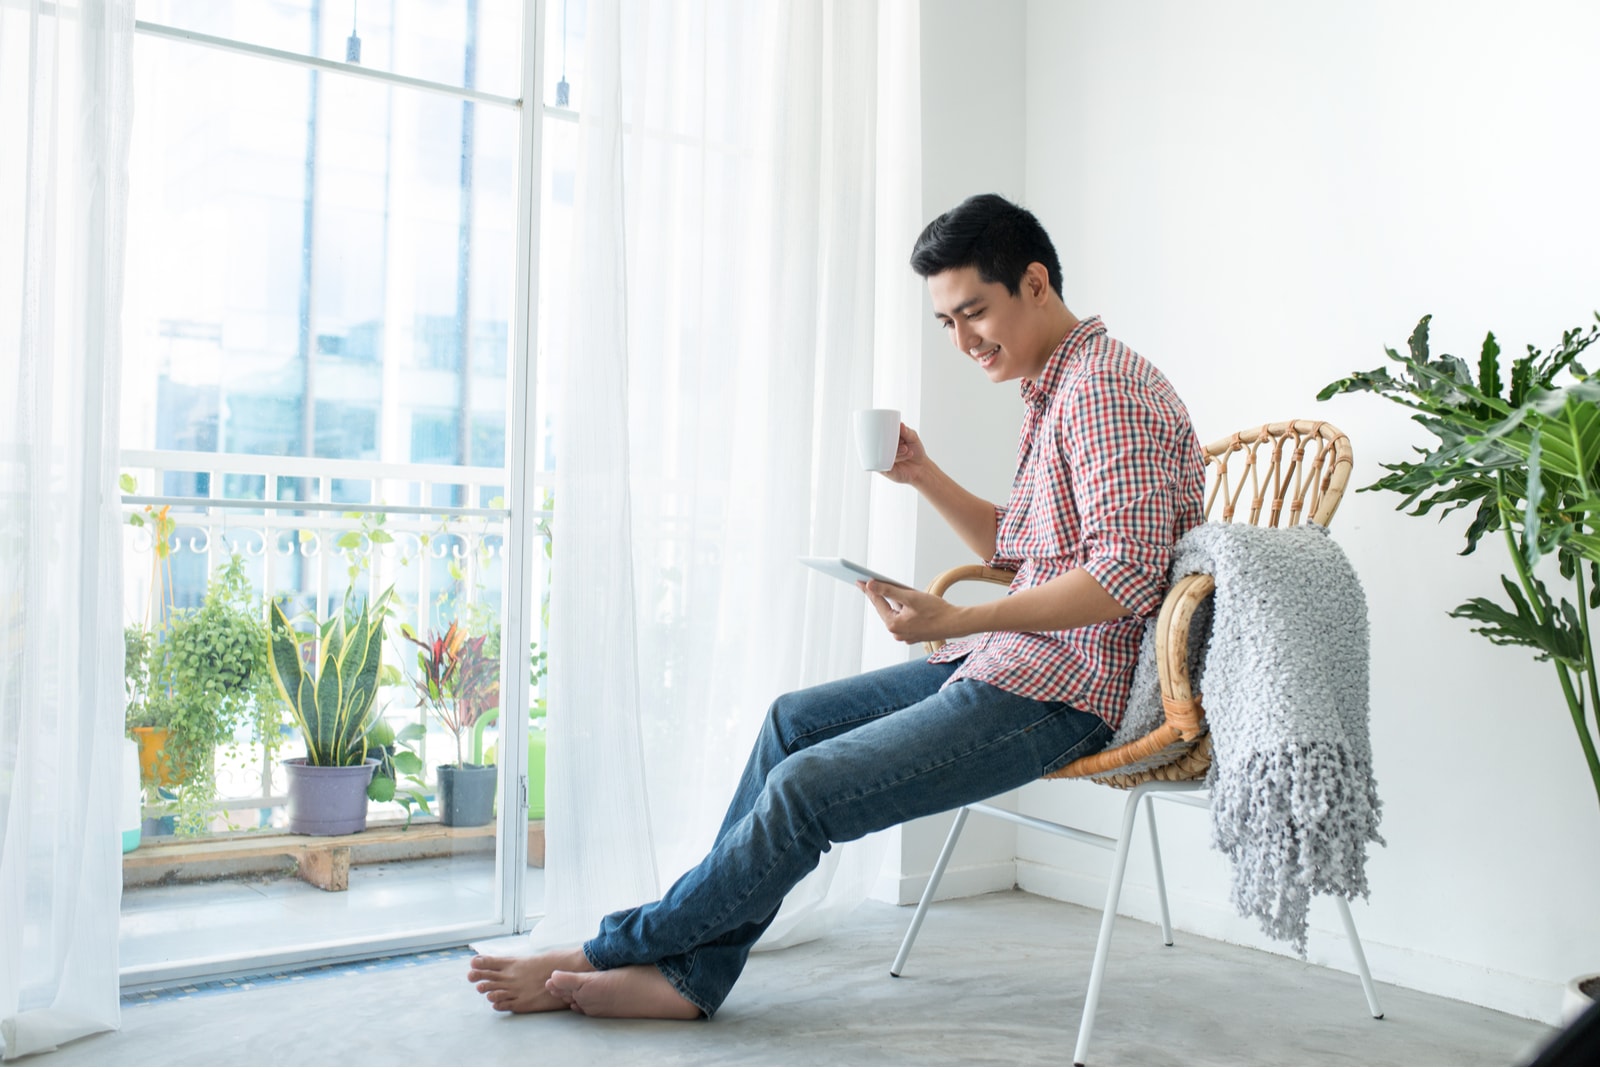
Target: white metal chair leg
(927,894)
(1361,958)
(1108,919)
(1161,878)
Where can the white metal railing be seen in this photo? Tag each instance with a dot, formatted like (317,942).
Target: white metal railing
(301,525)
(283,519)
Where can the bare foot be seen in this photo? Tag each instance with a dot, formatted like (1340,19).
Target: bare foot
(516,984)
(637,992)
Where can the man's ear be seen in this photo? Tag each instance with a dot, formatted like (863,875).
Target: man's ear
(1037,279)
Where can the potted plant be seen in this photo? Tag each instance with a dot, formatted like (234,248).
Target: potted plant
(1524,452)
(155,767)
(329,678)
(458,682)
(153,763)
(200,680)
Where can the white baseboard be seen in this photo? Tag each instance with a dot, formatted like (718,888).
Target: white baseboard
(1519,995)
(967,881)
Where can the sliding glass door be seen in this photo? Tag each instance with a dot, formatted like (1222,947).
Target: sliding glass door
(330,422)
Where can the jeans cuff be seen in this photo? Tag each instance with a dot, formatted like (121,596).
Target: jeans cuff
(597,962)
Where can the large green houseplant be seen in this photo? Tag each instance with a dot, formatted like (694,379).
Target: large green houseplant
(201,678)
(329,676)
(1523,452)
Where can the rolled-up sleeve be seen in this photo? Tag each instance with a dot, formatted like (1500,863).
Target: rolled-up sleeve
(1118,440)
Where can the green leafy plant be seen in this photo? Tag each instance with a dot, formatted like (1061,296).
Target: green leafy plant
(400,775)
(203,678)
(370,532)
(329,678)
(1523,452)
(136,648)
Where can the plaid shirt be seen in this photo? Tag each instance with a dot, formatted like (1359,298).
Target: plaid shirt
(1109,475)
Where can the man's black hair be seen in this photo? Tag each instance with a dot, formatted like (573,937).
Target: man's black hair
(992,234)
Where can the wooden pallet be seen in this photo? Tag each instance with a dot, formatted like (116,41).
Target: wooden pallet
(322,861)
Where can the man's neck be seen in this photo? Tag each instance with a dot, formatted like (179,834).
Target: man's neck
(1066,322)
(1061,323)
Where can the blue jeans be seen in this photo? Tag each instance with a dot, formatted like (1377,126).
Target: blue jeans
(832,764)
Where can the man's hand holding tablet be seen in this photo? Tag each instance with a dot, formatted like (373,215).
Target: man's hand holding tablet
(909,614)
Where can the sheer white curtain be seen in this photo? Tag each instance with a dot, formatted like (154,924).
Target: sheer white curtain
(64,98)
(748,194)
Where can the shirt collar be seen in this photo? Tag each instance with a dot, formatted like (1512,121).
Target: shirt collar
(1038,394)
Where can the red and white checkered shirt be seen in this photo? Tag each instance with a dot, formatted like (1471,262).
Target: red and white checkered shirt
(1109,475)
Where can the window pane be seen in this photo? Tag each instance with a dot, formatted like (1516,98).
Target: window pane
(309,257)
(470,43)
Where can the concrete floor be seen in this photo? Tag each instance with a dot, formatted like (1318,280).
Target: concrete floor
(994,980)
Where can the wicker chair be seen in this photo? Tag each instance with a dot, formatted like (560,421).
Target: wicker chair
(1291,470)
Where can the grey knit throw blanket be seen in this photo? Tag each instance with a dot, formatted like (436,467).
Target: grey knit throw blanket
(1283,678)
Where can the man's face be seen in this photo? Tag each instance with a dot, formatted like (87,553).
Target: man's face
(987,324)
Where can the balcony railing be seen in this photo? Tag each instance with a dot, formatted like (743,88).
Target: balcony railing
(308,531)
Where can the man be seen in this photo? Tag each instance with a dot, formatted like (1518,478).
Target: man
(1109,475)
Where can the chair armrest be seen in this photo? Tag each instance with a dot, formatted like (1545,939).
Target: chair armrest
(966,573)
(1182,704)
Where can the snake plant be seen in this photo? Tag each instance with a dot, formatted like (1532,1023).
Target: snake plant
(1524,452)
(332,702)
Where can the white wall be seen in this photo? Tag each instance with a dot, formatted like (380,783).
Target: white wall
(1260,197)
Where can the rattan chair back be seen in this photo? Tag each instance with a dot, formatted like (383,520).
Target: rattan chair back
(1284,473)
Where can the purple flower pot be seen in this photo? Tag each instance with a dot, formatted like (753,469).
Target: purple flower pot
(328,800)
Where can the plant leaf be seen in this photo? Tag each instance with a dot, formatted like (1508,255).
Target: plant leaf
(1530,511)
(1559,636)
(1521,381)
(1489,370)
(1418,341)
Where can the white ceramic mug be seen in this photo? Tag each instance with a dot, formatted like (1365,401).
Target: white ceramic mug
(877,437)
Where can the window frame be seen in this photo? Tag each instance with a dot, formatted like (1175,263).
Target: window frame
(522,513)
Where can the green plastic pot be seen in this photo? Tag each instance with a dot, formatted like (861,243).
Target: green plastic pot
(536,741)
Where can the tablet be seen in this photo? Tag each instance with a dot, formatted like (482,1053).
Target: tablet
(848,570)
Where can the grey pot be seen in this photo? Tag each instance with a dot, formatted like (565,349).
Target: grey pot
(466,794)
(328,800)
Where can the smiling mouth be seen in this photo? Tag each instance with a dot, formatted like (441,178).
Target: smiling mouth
(986,358)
